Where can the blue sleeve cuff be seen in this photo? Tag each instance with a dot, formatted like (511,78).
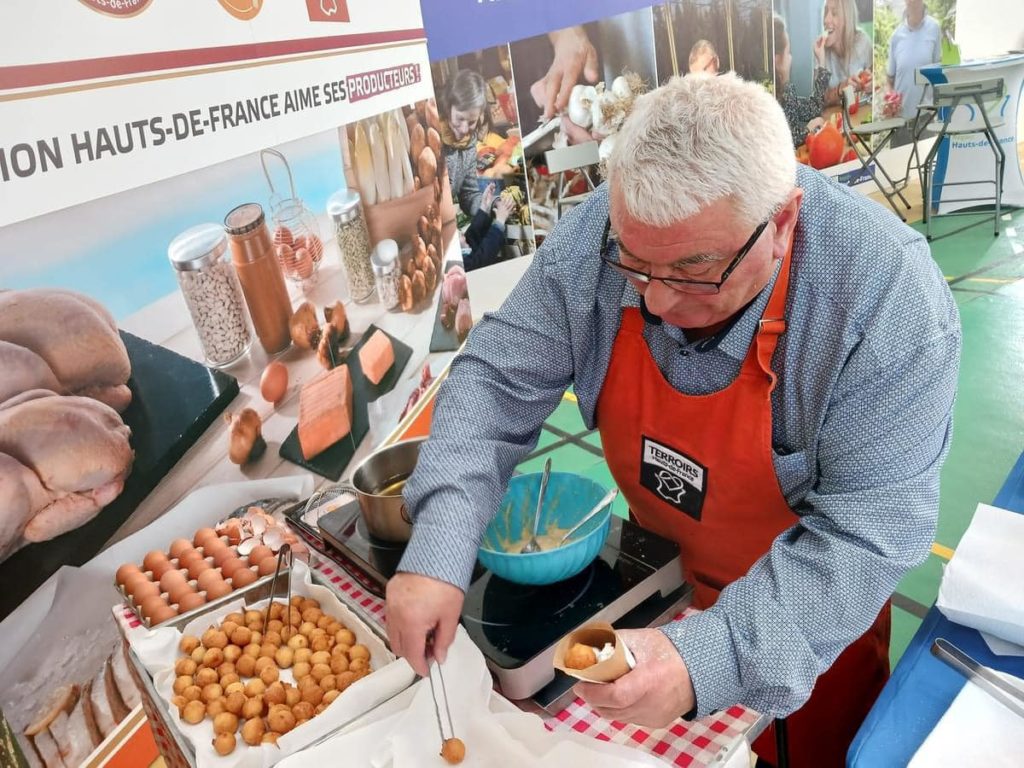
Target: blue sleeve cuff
(445,544)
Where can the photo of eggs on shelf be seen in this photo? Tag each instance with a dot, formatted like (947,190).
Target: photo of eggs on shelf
(215,563)
(395,161)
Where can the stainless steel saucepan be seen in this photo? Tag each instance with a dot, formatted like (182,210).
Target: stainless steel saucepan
(385,515)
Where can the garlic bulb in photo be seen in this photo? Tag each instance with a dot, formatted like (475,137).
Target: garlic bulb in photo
(580,101)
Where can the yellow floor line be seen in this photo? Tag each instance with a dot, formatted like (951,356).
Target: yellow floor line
(944,552)
(570,396)
(998,280)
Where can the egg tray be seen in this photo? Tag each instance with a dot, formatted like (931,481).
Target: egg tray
(180,619)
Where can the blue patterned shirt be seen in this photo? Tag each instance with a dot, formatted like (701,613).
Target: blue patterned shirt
(861,424)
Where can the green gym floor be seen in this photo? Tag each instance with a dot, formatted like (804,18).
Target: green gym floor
(986,275)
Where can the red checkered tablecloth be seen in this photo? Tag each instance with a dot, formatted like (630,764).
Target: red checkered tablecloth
(695,743)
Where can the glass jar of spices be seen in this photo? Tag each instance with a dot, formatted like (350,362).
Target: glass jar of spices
(212,294)
(346,211)
(385,272)
(259,273)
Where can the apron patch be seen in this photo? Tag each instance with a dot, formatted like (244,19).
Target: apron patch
(673,477)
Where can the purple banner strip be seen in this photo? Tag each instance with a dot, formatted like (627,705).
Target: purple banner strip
(455,27)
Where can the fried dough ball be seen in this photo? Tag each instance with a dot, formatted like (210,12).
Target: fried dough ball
(263,662)
(179,702)
(270,674)
(319,672)
(185,667)
(271,738)
(301,670)
(320,657)
(453,751)
(275,694)
(234,702)
(215,707)
(292,696)
(192,693)
(580,656)
(255,687)
(313,694)
(229,680)
(212,692)
(253,731)
(238,686)
(339,664)
(197,654)
(302,655)
(194,712)
(345,636)
(253,707)
(206,676)
(359,665)
(232,653)
(246,666)
(303,711)
(213,658)
(224,743)
(181,683)
(215,638)
(298,642)
(284,657)
(241,636)
(281,720)
(225,722)
(345,679)
(329,698)
(188,644)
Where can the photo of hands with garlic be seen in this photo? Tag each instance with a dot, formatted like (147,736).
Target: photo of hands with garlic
(596,112)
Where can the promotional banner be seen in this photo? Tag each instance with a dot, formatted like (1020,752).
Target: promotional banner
(144,91)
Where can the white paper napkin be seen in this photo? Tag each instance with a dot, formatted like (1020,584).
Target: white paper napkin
(983,583)
(975,731)
(493,739)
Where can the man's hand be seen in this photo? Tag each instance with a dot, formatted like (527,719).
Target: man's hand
(488,198)
(575,134)
(574,55)
(418,606)
(654,694)
(503,209)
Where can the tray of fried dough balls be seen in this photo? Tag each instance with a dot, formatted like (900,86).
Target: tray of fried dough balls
(248,683)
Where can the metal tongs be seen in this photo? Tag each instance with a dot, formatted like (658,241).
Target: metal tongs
(432,664)
(1007,694)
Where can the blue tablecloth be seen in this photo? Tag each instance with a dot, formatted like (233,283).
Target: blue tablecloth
(922,687)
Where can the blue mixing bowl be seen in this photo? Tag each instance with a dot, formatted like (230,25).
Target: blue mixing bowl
(568,498)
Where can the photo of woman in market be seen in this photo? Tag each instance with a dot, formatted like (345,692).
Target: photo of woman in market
(802,112)
(481,146)
(843,47)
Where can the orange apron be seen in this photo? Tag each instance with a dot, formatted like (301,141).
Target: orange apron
(697,469)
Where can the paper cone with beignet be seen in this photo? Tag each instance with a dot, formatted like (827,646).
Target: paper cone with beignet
(593,653)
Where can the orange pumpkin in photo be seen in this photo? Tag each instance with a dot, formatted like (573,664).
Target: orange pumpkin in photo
(826,147)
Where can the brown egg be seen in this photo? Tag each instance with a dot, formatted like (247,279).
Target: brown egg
(274,382)
(153,559)
(191,601)
(179,547)
(198,567)
(151,604)
(219,551)
(204,535)
(126,570)
(133,579)
(161,568)
(162,614)
(189,556)
(143,589)
(243,577)
(178,591)
(267,565)
(258,553)
(171,578)
(230,565)
(218,589)
(208,577)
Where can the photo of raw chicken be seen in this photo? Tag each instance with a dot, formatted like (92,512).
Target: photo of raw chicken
(64,449)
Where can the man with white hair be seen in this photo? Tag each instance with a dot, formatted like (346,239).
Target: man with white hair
(789,342)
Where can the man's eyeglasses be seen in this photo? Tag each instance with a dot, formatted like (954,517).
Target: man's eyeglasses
(610,246)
